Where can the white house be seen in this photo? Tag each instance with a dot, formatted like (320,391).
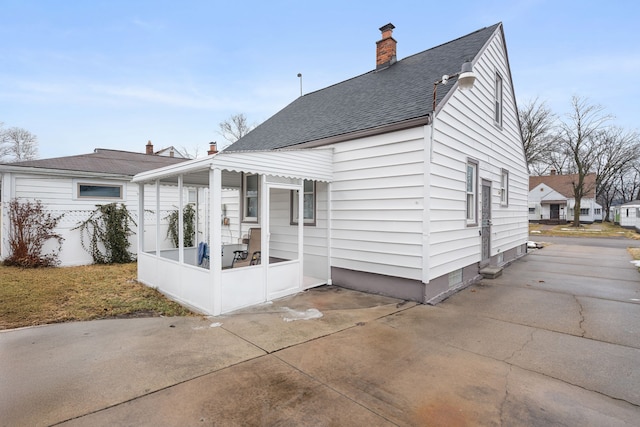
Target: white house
(72,186)
(551,199)
(404,190)
(629,214)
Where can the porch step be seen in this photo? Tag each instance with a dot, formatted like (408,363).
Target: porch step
(491,272)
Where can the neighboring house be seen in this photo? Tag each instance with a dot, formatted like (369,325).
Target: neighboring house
(361,184)
(551,199)
(628,214)
(73,186)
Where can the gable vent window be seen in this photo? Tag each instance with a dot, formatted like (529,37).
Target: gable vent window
(498,101)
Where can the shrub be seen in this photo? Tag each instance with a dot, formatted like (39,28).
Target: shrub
(189,227)
(30,227)
(108,232)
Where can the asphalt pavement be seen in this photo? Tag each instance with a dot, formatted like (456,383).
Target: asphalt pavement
(554,341)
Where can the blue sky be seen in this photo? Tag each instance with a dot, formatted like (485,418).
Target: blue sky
(114,74)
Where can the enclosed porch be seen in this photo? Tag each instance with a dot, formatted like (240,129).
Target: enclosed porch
(236,229)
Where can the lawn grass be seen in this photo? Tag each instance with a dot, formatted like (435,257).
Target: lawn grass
(597,229)
(30,297)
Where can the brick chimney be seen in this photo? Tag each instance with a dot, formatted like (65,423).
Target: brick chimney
(553,171)
(386,48)
(213,148)
(149,148)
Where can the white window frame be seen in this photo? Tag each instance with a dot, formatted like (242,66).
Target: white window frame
(498,100)
(311,195)
(471,192)
(78,183)
(584,211)
(504,188)
(244,201)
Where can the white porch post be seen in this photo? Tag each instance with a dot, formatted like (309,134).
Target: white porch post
(157,217)
(180,220)
(140,217)
(215,239)
(301,231)
(265,234)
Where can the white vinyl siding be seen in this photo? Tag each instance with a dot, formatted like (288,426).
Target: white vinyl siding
(377,204)
(465,129)
(57,194)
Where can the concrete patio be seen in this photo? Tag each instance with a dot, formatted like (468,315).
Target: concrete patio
(554,341)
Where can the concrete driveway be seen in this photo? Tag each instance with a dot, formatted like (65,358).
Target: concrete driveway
(554,341)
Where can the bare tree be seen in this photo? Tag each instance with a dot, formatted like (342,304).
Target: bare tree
(579,137)
(17,144)
(235,127)
(617,156)
(537,124)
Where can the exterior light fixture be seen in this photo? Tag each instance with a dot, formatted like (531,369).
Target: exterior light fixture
(466,79)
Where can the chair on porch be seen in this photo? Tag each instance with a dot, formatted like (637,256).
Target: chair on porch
(253,253)
(203,255)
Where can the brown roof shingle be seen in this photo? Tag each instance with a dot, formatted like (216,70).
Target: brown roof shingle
(104,161)
(563,184)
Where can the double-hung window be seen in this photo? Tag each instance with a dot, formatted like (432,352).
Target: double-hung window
(472,192)
(250,185)
(504,188)
(308,204)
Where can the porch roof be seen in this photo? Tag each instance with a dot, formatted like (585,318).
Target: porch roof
(311,164)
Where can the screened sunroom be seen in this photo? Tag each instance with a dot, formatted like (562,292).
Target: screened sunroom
(225,232)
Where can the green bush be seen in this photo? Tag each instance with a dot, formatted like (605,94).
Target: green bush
(108,230)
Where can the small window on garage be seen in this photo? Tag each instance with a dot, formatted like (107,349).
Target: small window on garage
(99,191)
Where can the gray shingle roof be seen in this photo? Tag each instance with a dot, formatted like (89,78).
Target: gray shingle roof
(103,161)
(401,92)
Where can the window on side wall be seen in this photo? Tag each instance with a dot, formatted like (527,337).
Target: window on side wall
(504,188)
(99,191)
(250,194)
(498,101)
(309,204)
(584,211)
(472,192)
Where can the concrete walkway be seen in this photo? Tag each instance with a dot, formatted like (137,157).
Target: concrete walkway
(554,341)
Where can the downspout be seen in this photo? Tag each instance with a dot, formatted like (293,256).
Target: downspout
(5,197)
(329,228)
